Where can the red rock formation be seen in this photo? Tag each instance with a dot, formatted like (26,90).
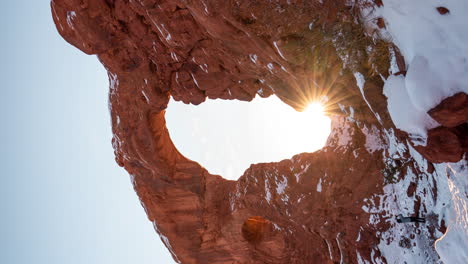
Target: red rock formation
(313,208)
(448,142)
(443,144)
(442,10)
(452,111)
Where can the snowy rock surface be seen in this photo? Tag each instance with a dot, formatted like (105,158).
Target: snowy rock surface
(434,47)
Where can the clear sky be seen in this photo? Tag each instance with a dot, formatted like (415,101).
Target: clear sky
(63,198)
(227,136)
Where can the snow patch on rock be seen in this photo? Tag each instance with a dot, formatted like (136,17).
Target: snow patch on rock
(341,134)
(402,110)
(373,141)
(452,245)
(434,47)
(319,185)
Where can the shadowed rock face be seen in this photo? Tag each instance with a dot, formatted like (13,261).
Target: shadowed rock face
(448,142)
(317,207)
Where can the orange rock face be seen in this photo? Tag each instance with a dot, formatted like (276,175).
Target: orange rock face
(331,206)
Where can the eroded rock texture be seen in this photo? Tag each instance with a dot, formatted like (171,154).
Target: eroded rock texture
(448,142)
(332,206)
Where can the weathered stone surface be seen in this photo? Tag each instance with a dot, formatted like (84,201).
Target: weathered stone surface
(452,111)
(442,145)
(448,143)
(442,10)
(313,208)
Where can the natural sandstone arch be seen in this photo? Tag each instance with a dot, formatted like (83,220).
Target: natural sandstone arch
(193,50)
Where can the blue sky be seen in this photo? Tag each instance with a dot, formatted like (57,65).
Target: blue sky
(63,198)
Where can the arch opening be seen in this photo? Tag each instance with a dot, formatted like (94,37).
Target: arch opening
(226,137)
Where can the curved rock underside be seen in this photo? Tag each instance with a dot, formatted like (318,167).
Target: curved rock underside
(336,205)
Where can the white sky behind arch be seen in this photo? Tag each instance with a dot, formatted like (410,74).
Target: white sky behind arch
(226,136)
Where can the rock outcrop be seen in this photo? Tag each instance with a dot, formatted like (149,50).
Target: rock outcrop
(332,206)
(448,142)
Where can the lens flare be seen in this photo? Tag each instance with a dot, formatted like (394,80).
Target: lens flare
(315,109)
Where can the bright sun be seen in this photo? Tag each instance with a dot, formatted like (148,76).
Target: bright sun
(227,136)
(315,109)
(305,131)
